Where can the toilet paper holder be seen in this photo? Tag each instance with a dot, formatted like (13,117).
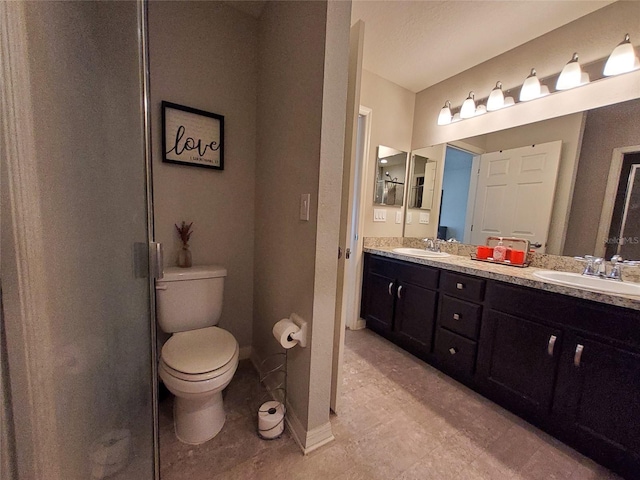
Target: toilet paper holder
(275,381)
(300,335)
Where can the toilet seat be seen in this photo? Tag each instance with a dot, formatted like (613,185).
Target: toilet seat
(199,355)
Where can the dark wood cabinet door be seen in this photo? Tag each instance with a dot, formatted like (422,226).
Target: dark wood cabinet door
(415,317)
(517,362)
(377,305)
(599,394)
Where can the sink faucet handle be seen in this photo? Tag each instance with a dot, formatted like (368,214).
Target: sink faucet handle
(617,263)
(593,265)
(600,267)
(430,243)
(588,263)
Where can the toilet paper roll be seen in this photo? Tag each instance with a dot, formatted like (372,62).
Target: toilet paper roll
(110,453)
(271,419)
(283,330)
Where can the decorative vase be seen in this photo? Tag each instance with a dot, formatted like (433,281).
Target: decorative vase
(184,256)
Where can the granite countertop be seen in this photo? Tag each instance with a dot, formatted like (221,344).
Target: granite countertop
(505,273)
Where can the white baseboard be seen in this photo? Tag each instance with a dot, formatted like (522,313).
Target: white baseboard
(308,441)
(360,324)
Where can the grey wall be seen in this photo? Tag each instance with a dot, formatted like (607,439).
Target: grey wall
(605,129)
(204,55)
(300,151)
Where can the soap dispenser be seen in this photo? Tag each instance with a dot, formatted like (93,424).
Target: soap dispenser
(500,252)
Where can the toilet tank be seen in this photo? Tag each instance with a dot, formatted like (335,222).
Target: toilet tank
(189,298)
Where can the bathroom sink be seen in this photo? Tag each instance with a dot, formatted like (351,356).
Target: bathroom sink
(590,283)
(419,252)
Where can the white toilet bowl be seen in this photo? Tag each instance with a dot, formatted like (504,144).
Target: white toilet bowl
(196,366)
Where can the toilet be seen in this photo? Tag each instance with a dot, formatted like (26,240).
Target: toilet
(199,359)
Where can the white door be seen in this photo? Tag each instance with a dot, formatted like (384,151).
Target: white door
(348,224)
(515,194)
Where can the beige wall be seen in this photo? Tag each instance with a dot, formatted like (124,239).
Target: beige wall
(392,122)
(592,36)
(605,129)
(300,93)
(203,55)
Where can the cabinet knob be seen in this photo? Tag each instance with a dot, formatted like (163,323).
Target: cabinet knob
(390,288)
(453,350)
(456,316)
(552,345)
(460,286)
(577,357)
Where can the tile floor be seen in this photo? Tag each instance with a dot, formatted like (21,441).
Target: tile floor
(401,419)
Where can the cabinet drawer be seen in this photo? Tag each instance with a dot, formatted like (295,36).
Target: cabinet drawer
(454,352)
(462,286)
(419,275)
(381,265)
(460,316)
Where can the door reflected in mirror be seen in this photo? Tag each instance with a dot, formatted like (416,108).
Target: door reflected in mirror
(391,169)
(423,177)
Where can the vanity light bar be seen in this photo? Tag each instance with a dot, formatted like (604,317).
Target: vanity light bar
(623,59)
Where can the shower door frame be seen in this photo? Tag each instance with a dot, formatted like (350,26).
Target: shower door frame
(29,347)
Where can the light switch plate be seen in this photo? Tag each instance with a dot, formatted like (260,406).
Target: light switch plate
(424,218)
(305,199)
(398,216)
(379,215)
(409,218)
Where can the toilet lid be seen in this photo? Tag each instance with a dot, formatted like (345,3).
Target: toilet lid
(199,351)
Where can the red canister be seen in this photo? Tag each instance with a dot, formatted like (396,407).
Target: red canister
(483,252)
(517,257)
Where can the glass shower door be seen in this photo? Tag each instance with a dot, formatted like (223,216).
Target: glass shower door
(82,373)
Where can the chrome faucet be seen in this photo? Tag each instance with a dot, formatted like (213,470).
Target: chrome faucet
(594,266)
(617,263)
(597,266)
(431,244)
(616,268)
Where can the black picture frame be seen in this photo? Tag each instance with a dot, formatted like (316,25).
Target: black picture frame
(192,137)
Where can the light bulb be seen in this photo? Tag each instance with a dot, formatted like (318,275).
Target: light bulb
(572,75)
(623,59)
(444,118)
(530,88)
(496,98)
(468,108)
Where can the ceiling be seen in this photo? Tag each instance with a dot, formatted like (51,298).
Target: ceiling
(416,44)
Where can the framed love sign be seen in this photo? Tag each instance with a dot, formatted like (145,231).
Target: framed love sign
(192,137)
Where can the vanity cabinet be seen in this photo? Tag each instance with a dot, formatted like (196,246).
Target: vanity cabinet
(519,348)
(518,360)
(598,398)
(399,302)
(459,316)
(568,365)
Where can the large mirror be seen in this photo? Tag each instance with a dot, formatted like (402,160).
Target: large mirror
(590,195)
(391,167)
